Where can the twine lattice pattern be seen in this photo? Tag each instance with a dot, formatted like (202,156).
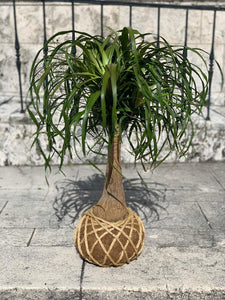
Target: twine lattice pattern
(109,243)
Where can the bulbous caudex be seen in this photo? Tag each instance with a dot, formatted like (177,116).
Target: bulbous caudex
(110,234)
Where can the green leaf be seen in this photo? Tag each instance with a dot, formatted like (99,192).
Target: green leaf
(105,85)
(90,103)
(123,82)
(113,77)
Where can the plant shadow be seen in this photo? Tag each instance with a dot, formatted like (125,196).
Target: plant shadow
(74,197)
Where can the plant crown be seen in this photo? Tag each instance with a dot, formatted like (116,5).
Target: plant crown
(122,83)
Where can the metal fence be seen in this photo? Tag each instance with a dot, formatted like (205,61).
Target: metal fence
(131,5)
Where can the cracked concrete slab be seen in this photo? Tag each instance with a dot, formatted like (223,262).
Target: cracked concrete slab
(29,214)
(16,237)
(183,257)
(214,212)
(28,268)
(161,270)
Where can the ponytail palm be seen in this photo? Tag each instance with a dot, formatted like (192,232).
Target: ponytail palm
(120,83)
(114,88)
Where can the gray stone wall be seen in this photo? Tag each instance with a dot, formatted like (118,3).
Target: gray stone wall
(16,130)
(87,18)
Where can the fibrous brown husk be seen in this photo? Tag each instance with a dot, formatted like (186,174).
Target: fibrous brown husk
(109,243)
(110,234)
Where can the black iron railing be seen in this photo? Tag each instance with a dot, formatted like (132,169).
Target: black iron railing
(130,5)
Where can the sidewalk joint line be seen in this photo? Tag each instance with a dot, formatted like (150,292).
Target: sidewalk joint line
(81,280)
(32,234)
(217,180)
(3,207)
(204,215)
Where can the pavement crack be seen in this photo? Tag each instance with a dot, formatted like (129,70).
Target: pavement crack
(6,101)
(204,215)
(30,239)
(217,180)
(81,280)
(4,206)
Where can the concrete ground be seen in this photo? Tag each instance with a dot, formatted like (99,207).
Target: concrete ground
(183,210)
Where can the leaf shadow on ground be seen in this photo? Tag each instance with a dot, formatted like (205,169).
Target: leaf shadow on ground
(74,197)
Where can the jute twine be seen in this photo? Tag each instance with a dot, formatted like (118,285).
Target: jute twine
(109,243)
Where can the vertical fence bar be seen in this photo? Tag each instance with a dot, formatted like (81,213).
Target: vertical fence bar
(158,27)
(44,29)
(73,27)
(185,54)
(18,63)
(130,15)
(101,19)
(186,33)
(45,49)
(211,65)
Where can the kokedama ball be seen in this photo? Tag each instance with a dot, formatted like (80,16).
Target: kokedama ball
(109,243)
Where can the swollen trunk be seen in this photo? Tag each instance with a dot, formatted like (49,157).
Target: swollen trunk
(112,205)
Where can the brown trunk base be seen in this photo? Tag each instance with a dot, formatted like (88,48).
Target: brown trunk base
(111,208)
(110,234)
(109,243)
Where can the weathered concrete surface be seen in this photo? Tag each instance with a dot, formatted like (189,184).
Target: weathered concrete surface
(58,18)
(16,138)
(182,210)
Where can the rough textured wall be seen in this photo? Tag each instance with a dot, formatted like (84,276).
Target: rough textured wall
(16,138)
(15,129)
(87,18)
